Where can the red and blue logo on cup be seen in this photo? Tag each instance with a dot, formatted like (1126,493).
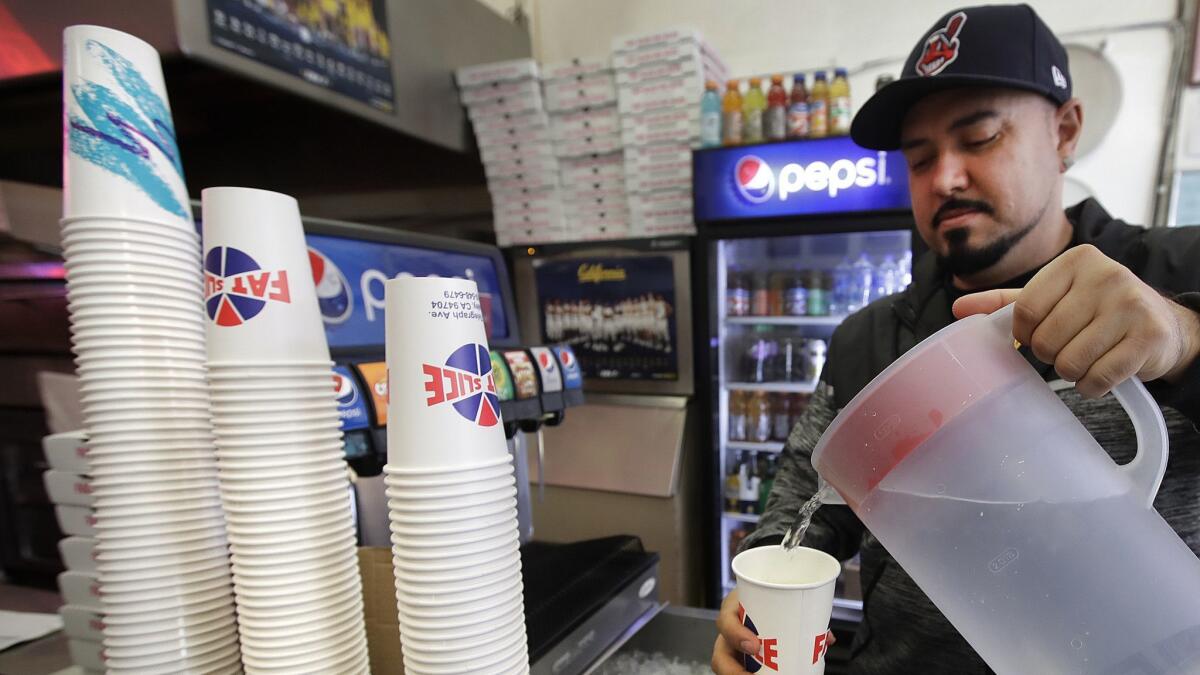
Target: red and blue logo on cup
(465,382)
(754,179)
(237,288)
(333,292)
(768,654)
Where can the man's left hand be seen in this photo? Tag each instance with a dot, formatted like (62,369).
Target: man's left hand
(1096,322)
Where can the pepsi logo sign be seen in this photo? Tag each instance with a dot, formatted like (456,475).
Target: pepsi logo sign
(334,296)
(754,180)
(236,288)
(567,357)
(465,382)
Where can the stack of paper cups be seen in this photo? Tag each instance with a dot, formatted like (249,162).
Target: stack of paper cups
(450,486)
(134,294)
(282,470)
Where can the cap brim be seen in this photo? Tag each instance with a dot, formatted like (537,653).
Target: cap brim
(878,122)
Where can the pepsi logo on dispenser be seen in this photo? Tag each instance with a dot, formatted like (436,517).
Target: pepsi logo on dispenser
(347,393)
(572,376)
(236,288)
(334,296)
(352,406)
(465,382)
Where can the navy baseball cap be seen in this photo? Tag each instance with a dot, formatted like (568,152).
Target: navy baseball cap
(985,46)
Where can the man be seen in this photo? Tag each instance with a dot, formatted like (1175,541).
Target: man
(984,116)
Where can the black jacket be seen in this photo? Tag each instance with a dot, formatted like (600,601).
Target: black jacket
(902,632)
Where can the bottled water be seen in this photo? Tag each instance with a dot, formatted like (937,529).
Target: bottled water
(886,279)
(860,284)
(840,302)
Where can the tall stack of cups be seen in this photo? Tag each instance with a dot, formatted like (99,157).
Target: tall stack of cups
(134,290)
(279,445)
(450,486)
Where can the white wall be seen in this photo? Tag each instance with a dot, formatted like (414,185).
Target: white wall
(871,37)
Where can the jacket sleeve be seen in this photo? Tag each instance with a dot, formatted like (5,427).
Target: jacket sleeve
(1171,264)
(834,529)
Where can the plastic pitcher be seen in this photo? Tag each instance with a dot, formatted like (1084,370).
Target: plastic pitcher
(1045,554)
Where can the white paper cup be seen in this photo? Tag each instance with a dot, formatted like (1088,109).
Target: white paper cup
(416,590)
(318,370)
(464,602)
(323,661)
(185,624)
(181,592)
(261,386)
(302,500)
(141,504)
(98,283)
(253,463)
(445,504)
(246,424)
(495,616)
(125,251)
(483,644)
(458,567)
(285,550)
(174,638)
(407,551)
(403,481)
(283,476)
(256,231)
(439,541)
(102,178)
(121,573)
(308,401)
(464,528)
(318,510)
(102,312)
(170,642)
(456,515)
(468,633)
(336,548)
(473,660)
(287,643)
(264,443)
(99,230)
(118,536)
(313,529)
(255,496)
(464,489)
(442,403)
(283,584)
(309,599)
(304,620)
(787,599)
(100,328)
(174,580)
(165,453)
(177,543)
(103,224)
(173,662)
(272,455)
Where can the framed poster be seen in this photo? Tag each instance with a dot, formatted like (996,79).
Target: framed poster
(617,313)
(341,45)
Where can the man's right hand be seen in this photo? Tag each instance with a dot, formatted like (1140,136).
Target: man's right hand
(733,639)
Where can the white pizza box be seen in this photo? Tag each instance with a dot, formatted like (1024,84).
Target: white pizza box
(592,167)
(506,121)
(592,90)
(498,170)
(605,119)
(513,151)
(670,92)
(592,144)
(666,125)
(575,68)
(499,71)
(496,91)
(510,105)
(510,135)
(524,180)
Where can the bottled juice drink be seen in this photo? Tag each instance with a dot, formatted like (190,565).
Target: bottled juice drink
(754,106)
(731,112)
(818,107)
(777,104)
(797,116)
(710,116)
(839,104)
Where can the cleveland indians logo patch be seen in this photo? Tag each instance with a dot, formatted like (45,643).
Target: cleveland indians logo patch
(941,47)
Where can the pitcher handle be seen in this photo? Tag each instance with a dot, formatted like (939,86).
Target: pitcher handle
(1147,467)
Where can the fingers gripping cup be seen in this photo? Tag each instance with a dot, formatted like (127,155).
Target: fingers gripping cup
(787,600)
(259,294)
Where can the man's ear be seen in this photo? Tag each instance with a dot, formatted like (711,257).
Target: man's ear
(1068,126)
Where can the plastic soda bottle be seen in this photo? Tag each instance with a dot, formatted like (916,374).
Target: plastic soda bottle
(731,110)
(777,105)
(839,104)
(710,116)
(818,107)
(797,115)
(754,106)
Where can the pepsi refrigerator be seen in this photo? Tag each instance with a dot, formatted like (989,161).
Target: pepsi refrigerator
(792,237)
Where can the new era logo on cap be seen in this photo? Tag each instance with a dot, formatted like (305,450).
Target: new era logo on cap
(1060,80)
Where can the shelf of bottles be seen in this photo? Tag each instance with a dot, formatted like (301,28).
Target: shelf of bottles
(783,297)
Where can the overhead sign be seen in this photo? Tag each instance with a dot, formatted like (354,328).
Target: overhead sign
(798,178)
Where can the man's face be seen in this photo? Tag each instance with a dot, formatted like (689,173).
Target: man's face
(983,168)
